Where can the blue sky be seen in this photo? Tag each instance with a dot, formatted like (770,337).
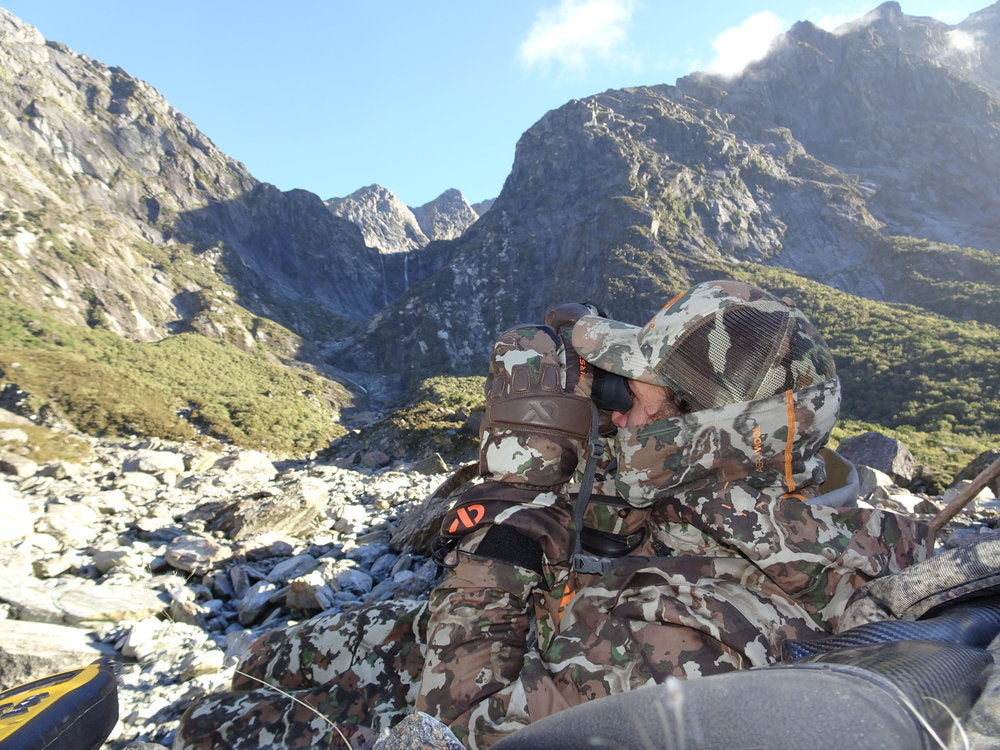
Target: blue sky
(330,95)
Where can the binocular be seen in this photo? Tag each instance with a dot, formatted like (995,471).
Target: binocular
(610,391)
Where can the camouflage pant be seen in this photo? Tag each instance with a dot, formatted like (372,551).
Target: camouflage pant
(358,670)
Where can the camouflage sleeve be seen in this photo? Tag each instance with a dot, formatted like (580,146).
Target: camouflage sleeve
(480,651)
(815,555)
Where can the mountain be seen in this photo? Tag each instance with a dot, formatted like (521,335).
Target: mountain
(855,171)
(388,224)
(905,106)
(446,217)
(865,159)
(118,210)
(385,222)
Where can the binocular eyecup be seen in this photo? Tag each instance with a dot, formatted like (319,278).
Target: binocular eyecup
(610,391)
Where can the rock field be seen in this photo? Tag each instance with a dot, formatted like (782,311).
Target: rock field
(172,558)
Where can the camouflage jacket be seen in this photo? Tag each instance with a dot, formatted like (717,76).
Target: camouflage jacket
(737,552)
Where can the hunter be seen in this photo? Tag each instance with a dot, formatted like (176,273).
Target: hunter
(714,526)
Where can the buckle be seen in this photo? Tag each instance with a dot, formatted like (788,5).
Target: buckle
(591,565)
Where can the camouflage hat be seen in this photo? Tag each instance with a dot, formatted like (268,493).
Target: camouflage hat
(719,342)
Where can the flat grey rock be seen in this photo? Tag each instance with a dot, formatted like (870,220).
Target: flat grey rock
(31,650)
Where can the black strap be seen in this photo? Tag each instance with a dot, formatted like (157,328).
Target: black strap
(609,544)
(579,561)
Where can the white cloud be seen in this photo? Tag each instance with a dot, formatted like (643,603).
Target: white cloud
(962,41)
(831,23)
(738,46)
(577,32)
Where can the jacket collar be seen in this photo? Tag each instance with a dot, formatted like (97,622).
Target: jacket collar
(770,444)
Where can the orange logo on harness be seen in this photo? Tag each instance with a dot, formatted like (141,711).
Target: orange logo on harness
(468,517)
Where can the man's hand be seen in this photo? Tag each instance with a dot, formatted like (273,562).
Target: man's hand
(579,372)
(537,420)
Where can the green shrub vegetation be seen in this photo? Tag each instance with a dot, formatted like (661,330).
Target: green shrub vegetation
(96,398)
(464,392)
(45,445)
(960,283)
(426,428)
(174,388)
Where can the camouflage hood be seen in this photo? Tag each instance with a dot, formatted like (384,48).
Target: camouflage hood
(770,445)
(720,342)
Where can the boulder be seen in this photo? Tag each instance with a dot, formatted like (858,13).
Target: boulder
(375,459)
(138,481)
(978,464)
(17,518)
(74,524)
(350,518)
(9,417)
(982,499)
(903,502)
(254,464)
(256,600)
(291,568)
(871,481)
(18,466)
(115,559)
(881,452)
(154,462)
(431,465)
(31,650)
(198,663)
(289,509)
(106,602)
(15,562)
(353,580)
(309,593)
(32,601)
(194,554)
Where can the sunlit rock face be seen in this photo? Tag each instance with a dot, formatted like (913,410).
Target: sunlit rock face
(388,224)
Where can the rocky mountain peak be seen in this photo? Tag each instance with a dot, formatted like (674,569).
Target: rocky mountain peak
(389,225)
(987,17)
(14,30)
(446,217)
(386,223)
(129,218)
(888,11)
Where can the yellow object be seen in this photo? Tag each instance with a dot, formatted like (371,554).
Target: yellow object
(22,703)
